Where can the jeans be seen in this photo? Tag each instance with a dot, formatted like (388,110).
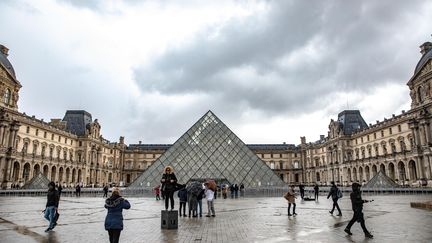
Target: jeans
(50,215)
(200,207)
(289,207)
(335,205)
(182,206)
(210,206)
(114,235)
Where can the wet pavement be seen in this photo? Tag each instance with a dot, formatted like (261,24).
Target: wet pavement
(390,219)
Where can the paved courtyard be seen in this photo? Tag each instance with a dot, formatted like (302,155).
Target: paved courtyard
(390,219)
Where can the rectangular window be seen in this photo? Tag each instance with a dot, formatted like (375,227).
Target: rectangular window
(45,134)
(59,138)
(66,140)
(28,130)
(390,131)
(52,136)
(37,132)
(368,138)
(271,155)
(80,143)
(374,135)
(382,133)
(399,128)
(280,155)
(362,139)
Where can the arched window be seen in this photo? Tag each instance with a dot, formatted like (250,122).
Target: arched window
(7,96)
(419,94)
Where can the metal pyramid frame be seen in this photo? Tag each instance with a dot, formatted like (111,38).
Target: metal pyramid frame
(381,180)
(39,181)
(210,150)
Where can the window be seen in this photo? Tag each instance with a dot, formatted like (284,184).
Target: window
(296,164)
(262,156)
(390,130)
(295,155)
(281,165)
(45,134)
(368,138)
(43,152)
(374,135)
(59,138)
(51,150)
(399,128)
(271,155)
(362,139)
(66,140)
(7,97)
(52,136)
(382,134)
(28,130)
(37,132)
(80,143)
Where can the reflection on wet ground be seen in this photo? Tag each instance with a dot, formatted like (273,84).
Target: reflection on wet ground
(390,218)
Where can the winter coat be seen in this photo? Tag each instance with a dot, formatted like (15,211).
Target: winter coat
(167,185)
(115,205)
(333,193)
(52,198)
(182,195)
(316,188)
(290,196)
(356,201)
(201,195)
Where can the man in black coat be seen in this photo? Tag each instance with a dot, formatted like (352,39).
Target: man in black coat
(316,189)
(51,206)
(302,191)
(335,197)
(357,206)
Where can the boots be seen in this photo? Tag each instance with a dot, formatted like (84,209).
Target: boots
(348,231)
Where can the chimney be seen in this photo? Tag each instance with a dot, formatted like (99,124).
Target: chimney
(322,137)
(121,140)
(427,46)
(4,50)
(303,140)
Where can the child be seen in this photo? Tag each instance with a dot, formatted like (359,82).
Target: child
(210,197)
(182,195)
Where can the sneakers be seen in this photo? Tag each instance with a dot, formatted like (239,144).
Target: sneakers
(54,225)
(347,231)
(339,214)
(368,235)
(331,212)
(48,229)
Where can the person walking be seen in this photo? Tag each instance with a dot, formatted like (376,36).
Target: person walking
(78,190)
(290,197)
(335,194)
(105,190)
(51,206)
(224,191)
(210,202)
(316,190)
(59,189)
(183,197)
(302,191)
(357,207)
(114,218)
(169,182)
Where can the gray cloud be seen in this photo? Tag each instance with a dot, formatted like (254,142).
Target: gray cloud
(356,48)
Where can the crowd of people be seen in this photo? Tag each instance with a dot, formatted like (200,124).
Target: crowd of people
(190,198)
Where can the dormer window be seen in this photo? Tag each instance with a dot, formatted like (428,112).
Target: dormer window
(7,97)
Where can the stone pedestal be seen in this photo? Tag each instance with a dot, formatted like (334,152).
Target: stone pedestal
(169,219)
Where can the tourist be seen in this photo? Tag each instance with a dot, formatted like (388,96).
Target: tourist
(224,191)
(169,182)
(316,189)
(51,206)
(242,189)
(114,219)
(357,207)
(182,195)
(210,202)
(231,188)
(302,191)
(59,188)
(105,190)
(236,189)
(78,190)
(335,194)
(157,192)
(290,196)
(200,197)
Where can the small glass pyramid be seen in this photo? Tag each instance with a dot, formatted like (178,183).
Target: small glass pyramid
(38,181)
(380,180)
(210,150)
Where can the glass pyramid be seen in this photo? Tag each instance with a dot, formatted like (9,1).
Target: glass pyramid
(210,150)
(380,180)
(38,181)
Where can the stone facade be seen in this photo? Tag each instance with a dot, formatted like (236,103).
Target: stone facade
(352,151)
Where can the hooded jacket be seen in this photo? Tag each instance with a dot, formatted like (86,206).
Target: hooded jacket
(183,195)
(356,198)
(52,198)
(115,205)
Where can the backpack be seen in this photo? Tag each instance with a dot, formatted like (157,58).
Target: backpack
(339,193)
(286,195)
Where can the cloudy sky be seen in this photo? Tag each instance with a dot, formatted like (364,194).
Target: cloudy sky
(271,70)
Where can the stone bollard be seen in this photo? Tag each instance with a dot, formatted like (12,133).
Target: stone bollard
(169,219)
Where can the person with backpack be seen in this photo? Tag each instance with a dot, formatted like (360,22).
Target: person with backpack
(51,207)
(335,194)
(290,197)
(114,218)
(357,206)
(105,190)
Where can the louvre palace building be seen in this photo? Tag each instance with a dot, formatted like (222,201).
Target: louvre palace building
(71,150)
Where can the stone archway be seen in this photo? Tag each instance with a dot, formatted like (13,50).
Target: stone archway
(67,176)
(36,169)
(354,172)
(53,173)
(367,172)
(383,169)
(360,170)
(349,175)
(15,172)
(412,170)
(26,172)
(402,172)
(374,170)
(391,171)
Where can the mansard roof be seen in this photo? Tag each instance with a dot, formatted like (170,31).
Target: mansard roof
(77,121)
(351,121)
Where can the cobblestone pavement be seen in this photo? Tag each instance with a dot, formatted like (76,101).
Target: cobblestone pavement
(389,218)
